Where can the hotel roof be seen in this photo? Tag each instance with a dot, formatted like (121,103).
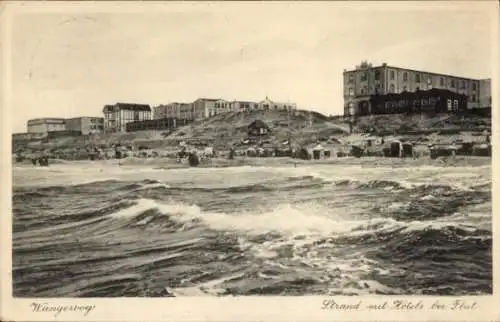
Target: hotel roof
(369,66)
(127,106)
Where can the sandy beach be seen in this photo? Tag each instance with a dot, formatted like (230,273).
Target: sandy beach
(170,163)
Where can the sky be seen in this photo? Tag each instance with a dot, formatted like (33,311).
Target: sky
(69,63)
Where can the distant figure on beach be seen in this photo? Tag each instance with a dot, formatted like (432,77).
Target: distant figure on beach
(231,154)
(19,157)
(43,161)
(193,159)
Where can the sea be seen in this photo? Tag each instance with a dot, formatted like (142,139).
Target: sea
(87,229)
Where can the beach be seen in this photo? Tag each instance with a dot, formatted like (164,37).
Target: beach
(173,163)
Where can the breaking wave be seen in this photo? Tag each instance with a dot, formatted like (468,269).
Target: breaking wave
(288,235)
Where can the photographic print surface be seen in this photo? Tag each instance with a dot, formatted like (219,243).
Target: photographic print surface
(252,149)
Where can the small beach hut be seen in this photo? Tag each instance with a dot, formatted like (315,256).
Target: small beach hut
(318,151)
(395,149)
(465,148)
(442,150)
(258,128)
(208,151)
(406,149)
(302,153)
(369,141)
(251,152)
(357,151)
(482,150)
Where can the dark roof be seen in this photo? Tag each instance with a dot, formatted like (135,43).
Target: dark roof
(127,106)
(411,70)
(132,106)
(258,124)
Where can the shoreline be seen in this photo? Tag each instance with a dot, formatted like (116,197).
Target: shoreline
(169,163)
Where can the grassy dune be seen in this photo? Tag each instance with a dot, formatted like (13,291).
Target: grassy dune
(303,127)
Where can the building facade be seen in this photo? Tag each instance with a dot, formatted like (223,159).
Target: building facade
(222,106)
(156,124)
(45,125)
(118,115)
(163,111)
(268,104)
(243,105)
(200,109)
(182,111)
(85,124)
(204,108)
(367,80)
(430,101)
(485,93)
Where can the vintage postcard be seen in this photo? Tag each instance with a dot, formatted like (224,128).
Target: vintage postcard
(249,161)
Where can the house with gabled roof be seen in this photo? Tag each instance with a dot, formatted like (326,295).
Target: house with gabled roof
(118,115)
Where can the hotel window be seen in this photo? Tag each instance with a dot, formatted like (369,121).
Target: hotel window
(441,81)
(473,97)
(377,75)
(462,84)
(405,77)
(455,105)
(351,78)
(351,91)
(449,105)
(452,83)
(392,75)
(392,88)
(474,86)
(417,78)
(364,76)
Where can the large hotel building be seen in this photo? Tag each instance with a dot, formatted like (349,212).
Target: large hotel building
(366,81)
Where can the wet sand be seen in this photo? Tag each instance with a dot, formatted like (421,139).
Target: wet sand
(170,163)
